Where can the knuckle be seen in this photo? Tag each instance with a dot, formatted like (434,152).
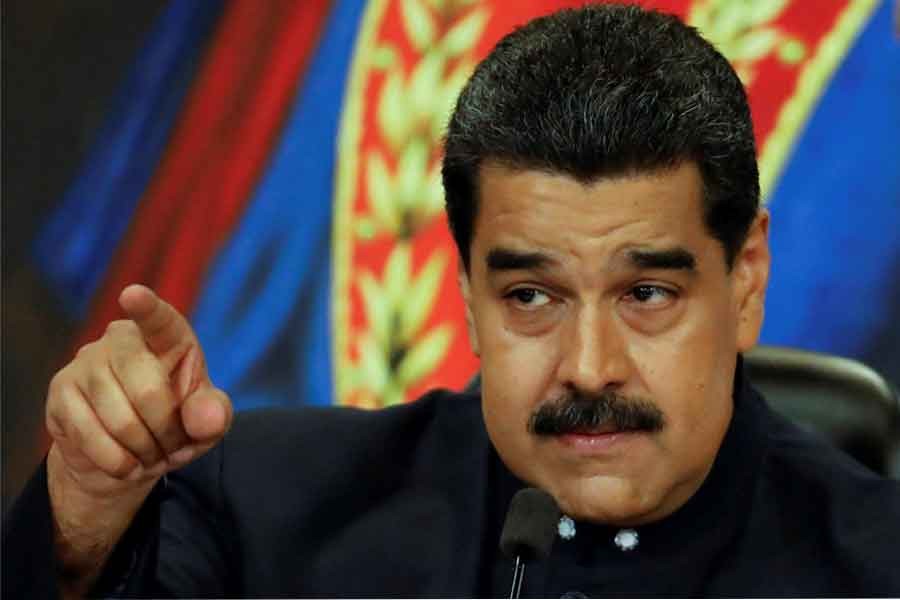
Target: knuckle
(59,394)
(96,384)
(54,424)
(88,350)
(122,466)
(100,388)
(73,433)
(128,432)
(149,393)
(120,327)
(57,384)
(143,365)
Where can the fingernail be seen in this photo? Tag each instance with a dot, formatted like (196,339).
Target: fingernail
(179,457)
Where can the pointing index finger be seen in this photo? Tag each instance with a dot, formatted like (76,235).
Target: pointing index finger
(165,330)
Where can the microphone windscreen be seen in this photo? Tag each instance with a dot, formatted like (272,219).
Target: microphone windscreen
(531,525)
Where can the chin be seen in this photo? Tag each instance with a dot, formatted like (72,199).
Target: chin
(607,500)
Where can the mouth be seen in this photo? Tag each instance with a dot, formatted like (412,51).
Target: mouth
(597,441)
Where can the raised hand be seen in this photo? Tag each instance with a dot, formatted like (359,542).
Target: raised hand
(131,406)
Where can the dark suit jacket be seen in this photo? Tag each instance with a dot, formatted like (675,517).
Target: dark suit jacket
(408,502)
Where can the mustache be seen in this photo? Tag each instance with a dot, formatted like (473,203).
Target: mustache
(579,411)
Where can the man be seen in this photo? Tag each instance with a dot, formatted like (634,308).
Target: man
(602,189)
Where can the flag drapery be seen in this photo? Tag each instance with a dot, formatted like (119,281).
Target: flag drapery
(273,170)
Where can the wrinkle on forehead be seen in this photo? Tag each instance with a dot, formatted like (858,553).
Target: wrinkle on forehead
(565,219)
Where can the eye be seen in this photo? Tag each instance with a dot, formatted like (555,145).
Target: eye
(650,296)
(528,298)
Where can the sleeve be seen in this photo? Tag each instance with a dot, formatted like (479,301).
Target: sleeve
(198,546)
(176,546)
(30,569)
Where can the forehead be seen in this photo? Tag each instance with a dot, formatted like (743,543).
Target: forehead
(554,212)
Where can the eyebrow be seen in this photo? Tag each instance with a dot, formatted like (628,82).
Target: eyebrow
(504,259)
(672,258)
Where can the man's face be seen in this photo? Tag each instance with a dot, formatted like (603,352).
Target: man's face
(610,288)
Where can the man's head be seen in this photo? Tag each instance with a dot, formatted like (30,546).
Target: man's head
(602,189)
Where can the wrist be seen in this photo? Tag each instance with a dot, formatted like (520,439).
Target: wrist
(89,518)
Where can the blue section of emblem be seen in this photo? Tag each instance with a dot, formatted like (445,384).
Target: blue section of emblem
(835,277)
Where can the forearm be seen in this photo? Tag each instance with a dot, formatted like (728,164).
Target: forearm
(87,526)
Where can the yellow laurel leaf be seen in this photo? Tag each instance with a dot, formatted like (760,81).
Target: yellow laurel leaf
(430,201)
(424,80)
(419,302)
(362,398)
(393,118)
(440,120)
(753,45)
(792,51)
(700,16)
(365,228)
(396,273)
(465,33)
(377,309)
(351,378)
(433,202)
(384,57)
(447,96)
(381,192)
(764,11)
(745,74)
(425,355)
(411,172)
(726,21)
(373,367)
(393,394)
(418,23)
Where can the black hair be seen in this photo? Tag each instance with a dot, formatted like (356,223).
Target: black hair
(600,91)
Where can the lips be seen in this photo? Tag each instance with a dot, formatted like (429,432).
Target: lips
(594,443)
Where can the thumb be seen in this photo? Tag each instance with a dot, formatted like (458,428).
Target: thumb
(206,414)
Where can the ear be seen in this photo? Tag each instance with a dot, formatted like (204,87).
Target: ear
(750,275)
(465,287)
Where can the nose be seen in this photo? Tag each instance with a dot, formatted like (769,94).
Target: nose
(593,353)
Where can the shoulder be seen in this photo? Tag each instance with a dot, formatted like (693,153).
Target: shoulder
(812,463)
(844,516)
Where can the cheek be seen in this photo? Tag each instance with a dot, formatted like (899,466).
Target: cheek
(516,373)
(513,378)
(518,362)
(697,425)
(690,374)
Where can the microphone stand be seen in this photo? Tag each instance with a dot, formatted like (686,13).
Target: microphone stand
(518,577)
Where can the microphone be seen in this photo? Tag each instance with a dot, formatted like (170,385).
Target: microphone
(529,531)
